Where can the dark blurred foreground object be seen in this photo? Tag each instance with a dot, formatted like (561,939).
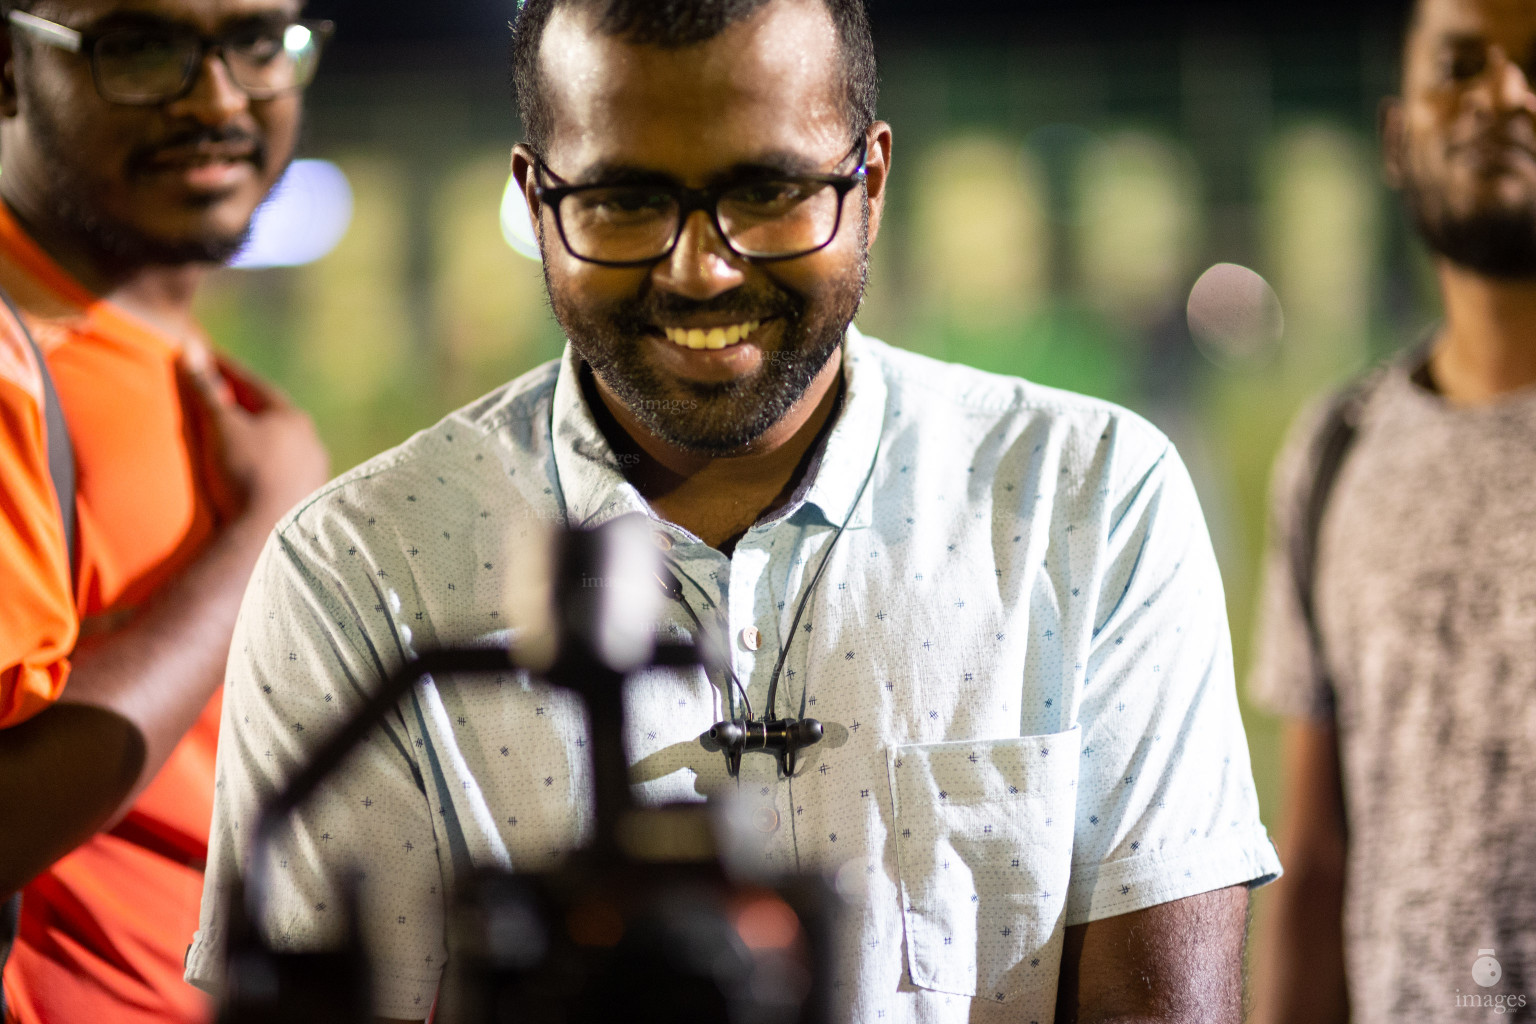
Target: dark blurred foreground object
(642,925)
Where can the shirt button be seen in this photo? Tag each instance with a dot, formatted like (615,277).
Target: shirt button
(751,639)
(663,540)
(766,819)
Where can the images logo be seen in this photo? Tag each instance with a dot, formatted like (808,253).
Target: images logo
(1486,971)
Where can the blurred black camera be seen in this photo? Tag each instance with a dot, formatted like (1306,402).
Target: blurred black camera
(644,924)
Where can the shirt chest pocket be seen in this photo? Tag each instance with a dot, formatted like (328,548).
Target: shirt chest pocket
(984,850)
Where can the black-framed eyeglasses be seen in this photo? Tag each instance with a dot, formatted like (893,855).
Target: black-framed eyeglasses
(159,63)
(767,217)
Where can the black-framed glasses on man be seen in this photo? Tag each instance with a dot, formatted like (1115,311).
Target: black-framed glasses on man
(159,61)
(762,217)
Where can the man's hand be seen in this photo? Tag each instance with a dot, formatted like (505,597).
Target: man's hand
(1180,961)
(258,453)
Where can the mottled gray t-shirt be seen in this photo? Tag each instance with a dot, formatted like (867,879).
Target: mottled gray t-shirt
(1426,607)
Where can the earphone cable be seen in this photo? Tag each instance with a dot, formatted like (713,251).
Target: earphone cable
(674,590)
(773,682)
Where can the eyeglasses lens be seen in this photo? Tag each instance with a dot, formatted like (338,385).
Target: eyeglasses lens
(617,225)
(137,67)
(266,63)
(779,218)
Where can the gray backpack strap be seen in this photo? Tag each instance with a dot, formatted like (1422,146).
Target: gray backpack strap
(61,468)
(61,453)
(1330,446)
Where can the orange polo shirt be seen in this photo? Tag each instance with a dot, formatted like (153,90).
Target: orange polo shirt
(103,931)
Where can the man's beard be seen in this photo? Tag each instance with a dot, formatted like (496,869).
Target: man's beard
(714,419)
(117,240)
(1496,241)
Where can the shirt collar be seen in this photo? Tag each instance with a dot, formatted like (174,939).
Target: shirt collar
(595,490)
(590,479)
(847,455)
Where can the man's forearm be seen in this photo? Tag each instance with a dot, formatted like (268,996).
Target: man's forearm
(1299,971)
(1301,977)
(131,696)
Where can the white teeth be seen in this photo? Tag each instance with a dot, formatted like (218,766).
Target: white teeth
(713,337)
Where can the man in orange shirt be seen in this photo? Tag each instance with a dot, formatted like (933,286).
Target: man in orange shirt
(137,139)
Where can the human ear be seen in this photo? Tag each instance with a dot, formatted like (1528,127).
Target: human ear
(1394,138)
(877,171)
(523,173)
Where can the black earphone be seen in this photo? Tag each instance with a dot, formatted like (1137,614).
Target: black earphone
(782,737)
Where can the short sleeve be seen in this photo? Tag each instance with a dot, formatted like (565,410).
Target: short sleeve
(1166,802)
(308,648)
(1287,676)
(38,621)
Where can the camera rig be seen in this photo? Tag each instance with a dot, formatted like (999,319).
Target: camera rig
(643,924)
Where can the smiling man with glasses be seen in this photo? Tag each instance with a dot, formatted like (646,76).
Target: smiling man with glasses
(999,600)
(137,139)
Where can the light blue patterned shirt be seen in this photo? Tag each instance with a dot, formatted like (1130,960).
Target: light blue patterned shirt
(1018,648)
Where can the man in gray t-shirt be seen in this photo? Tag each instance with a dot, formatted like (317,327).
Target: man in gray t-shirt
(1425,598)
(1410,832)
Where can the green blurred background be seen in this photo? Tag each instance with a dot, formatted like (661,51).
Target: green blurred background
(1052,203)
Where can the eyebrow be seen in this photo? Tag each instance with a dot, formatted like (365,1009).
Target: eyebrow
(1460,37)
(613,173)
(764,165)
(1463,39)
(781,161)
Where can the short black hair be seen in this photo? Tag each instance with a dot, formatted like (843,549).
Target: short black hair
(673,24)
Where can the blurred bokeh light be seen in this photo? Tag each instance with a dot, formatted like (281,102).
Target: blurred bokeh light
(1235,316)
(302,220)
(517,222)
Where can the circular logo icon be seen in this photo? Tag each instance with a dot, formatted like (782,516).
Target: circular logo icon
(1486,970)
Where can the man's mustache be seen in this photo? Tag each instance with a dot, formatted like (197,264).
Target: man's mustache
(228,141)
(666,307)
(1516,132)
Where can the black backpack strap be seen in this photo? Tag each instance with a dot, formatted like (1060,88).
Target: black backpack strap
(61,468)
(1330,446)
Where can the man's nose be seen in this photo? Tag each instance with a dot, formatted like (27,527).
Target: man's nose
(1511,84)
(701,265)
(215,96)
